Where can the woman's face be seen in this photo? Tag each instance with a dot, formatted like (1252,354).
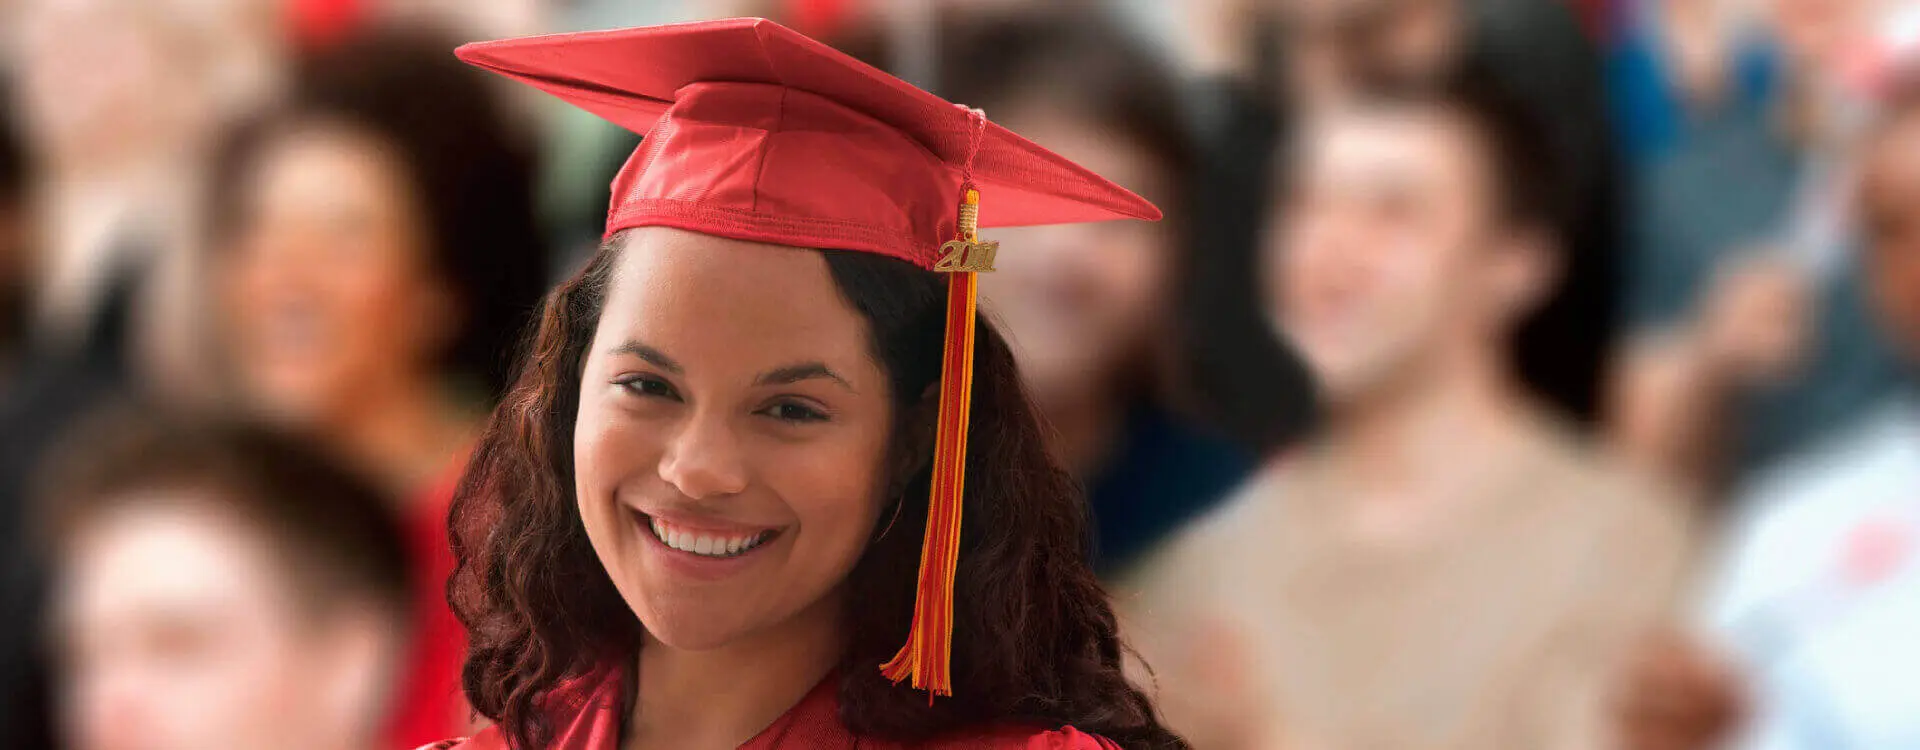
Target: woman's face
(732,438)
(327,289)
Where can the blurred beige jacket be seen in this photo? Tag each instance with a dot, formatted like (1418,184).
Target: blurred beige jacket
(1265,625)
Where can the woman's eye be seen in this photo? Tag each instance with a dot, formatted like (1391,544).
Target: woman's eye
(788,411)
(650,386)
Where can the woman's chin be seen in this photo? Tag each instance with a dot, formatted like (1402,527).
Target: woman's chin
(691,631)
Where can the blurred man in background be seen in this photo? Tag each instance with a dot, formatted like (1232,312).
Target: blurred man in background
(1446,563)
(1285,60)
(220,588)
(122,99)
(1820,592)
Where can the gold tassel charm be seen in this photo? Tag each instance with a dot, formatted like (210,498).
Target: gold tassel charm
(968,254)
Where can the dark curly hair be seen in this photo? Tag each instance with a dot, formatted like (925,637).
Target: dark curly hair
(1035,639)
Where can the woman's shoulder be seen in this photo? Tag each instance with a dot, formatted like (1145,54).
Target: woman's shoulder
(1023,738)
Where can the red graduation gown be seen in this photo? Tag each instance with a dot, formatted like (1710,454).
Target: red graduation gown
(813,723)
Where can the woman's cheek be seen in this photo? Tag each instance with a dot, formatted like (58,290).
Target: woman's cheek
(608,448)
(834,489)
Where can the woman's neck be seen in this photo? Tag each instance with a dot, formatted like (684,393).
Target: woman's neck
(405,434)
(1697,48)
(724,697)
(1422,453)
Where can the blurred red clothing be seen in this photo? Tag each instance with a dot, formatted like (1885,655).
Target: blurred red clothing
(595,706)
(316,24)
(1594,15)
(428,704)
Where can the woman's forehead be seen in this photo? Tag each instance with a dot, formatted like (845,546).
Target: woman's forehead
(699,297)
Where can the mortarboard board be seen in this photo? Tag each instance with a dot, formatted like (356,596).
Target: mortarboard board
(755,132)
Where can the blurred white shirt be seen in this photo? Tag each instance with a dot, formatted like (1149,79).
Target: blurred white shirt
(1819,591)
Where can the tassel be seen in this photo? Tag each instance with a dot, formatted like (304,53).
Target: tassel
(927,657)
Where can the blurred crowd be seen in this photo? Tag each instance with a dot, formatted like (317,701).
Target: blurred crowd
(1506,374)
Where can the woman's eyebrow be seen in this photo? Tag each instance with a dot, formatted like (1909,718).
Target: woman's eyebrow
(798,372)
(648,353)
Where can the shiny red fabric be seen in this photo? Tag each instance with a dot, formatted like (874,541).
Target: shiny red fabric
(428,704)
(592,709)
(756,132)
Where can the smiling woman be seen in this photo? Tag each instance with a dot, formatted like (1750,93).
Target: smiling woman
(729,480)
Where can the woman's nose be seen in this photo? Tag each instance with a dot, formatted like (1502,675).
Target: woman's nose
(703,460)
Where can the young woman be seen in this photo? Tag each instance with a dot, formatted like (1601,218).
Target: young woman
(695,520)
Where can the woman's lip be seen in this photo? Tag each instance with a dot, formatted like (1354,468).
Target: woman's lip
(704,525)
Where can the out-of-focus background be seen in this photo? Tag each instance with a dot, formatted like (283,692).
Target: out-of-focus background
(1506,374)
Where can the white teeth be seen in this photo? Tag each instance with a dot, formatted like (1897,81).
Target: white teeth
(709,546)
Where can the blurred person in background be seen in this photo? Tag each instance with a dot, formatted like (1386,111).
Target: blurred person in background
(1084,306)
(1268,64)
(117,102)
(122,99)
(1819,593)
(374,270)
(220,587)
(1447,562)
(1747,331)
(1675,67)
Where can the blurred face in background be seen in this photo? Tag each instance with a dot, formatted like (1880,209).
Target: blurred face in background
(1388,262)
(328,290)
(1890,201)
(179,629)
(1333,46)
(1078,302)
(102,81)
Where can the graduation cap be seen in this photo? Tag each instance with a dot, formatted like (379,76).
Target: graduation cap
(753,131)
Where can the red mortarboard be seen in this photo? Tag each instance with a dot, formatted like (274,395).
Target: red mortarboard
(755,132)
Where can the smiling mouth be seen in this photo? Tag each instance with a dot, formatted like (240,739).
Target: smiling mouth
(706,543)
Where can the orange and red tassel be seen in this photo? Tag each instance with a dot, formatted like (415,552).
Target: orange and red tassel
(927,657)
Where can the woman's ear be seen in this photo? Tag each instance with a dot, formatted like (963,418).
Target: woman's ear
(1525,272)
(913,451)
